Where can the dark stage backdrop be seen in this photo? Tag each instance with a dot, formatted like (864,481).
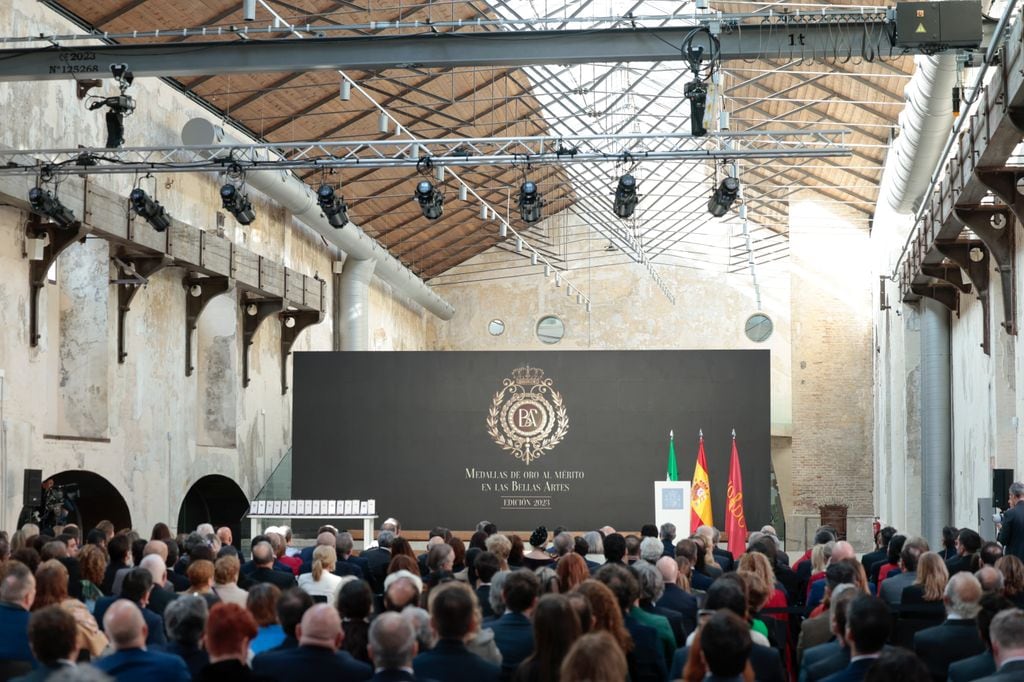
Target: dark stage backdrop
(572,438)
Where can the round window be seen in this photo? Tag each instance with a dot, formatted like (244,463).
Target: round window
(496,327)
(550,329)
(759,327)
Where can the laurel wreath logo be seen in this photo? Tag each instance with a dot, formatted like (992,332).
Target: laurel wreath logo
(527,448)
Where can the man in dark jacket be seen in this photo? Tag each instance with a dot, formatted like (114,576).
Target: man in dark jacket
(1011,534)
(957,637)
(452,611)
(317,656)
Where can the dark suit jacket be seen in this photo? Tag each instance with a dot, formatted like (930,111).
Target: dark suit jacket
(140,665)
(817,654)
(854,672)
(377,560)
(814,632)
(14,634)
(268,575)
(312,662)
(396,676)
(1010,672)
(483,595)
(700,581)
(723,558)
(869,559)
(675,621)
(155,623)
(195,658)
(828,666)
(351,566)
(451,661)
(229,671)
(74,576)
(647,659)
(180,582)
(913,605)
(670,548)
(953,640)
(513,634)
(159,598)
(972,668)
(765,661)
(1011,535)
(958,564)
(682,602)
(107,585)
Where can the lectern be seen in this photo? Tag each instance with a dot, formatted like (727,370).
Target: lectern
(672,505)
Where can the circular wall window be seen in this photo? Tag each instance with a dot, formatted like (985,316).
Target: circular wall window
(496,327)
(550,329)
(759,327)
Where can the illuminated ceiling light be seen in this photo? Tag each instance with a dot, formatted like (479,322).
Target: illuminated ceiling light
(237,203)
(625,196)
(150,210)
(722,199)
(431,201)
(529,202)
(44,203)
(333,206)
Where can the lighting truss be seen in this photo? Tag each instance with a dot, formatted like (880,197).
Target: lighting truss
(452,152)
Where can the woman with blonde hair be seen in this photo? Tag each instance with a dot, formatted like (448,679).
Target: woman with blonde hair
(924,597)
(322,582)
(500,546)
(52,589)
(594,657)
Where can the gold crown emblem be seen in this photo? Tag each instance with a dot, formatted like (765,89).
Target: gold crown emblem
(527,376)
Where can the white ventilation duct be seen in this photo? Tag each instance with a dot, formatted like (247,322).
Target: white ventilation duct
(287,190)
(924,124)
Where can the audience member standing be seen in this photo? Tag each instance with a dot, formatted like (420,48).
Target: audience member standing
(1011,534)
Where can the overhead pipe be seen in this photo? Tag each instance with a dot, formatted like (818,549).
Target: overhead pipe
(287,190)
(354,303)
(924,126)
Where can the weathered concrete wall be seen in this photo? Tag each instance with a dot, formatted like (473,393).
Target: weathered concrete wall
(143,425)
(832,366)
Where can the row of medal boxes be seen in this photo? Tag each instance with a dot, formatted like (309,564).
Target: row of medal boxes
(315,508)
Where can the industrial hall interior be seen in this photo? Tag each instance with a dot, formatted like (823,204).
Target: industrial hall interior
(488,264)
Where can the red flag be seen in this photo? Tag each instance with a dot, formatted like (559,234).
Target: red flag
(735,521)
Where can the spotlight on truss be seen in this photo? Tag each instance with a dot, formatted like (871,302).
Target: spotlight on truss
(722,199)
(530,202)
(45,203)
(145,207)
(333,206)
(237,203)
(625,196)
(431,200)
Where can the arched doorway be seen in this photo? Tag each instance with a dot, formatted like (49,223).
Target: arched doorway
(96,499)
(214,499)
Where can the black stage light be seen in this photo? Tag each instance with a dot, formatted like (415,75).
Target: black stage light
(151,210)
(625,196)
(334,207)
(431,201)
(530,202)
(237,203)
(697,92)
(723,197)
(44,203)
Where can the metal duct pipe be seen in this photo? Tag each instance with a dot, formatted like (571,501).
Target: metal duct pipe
(924,126)
(936,418)
(354,303)
(287,190)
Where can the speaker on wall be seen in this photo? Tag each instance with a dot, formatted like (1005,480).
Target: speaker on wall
(33,487)
(1001,480)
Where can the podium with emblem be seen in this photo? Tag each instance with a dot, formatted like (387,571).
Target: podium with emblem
(672,505)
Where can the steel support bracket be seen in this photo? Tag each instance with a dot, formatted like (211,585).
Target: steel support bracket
(133,274)
(299,320)
(992,225)
(57,241)
(943,293)
(973,258)
(196,300)
(254,312)
(951,274)
(1016,117)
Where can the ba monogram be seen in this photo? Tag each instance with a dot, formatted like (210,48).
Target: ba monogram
(527,416)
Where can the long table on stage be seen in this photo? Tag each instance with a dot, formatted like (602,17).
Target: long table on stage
(256,522)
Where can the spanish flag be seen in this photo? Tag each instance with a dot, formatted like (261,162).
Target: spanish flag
(700,491)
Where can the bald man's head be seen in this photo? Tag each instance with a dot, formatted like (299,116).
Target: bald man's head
(669,569)
(326,539)
(125,626)
(320,626)
(158,547)
(156,567)
(842,550)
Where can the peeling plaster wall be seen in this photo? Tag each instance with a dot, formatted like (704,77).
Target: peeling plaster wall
(152,431)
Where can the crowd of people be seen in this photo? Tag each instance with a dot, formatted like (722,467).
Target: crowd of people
(601,606)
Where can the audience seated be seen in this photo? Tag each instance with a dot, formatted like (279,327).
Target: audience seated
(317,656)
(826,659)
(725,646)
(452,613)
(968,542)
(867,629)
(136,588)
(555,628)
(983,664)
(131,660)
(262,604)
(226,571)
(392,647)
(52,590)
(891,590)
(897,664)
(229,630)
(513,632)
(263,559)
(675,597)
(185,620)
(957,637)
(355,603)
(595,657)
(1007,632)
(925,596)
(53,637)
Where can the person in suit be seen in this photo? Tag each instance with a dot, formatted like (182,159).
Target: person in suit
(229,630)
(317,656)
(163,592)
(53,636)
(377,560)
(652,587)
(676,598)
(892,588)
(17,592)
(486,565)
(957,637)
(131,661)
(348,564)
(513,632)
(263,558)
(392,647)
(1011,533)
(185,620)
(136,589)
(897,664)
(968,542)
(882,538)
(983,664)
(867,628)
(723,557)
(819,629)
(452,613)
(725,644)
(1007,646)
(834,655)
(323,539)
(118,549)
(178,580)
(667,533)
